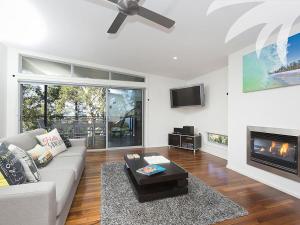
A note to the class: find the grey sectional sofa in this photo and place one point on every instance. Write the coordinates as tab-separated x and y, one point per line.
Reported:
47	202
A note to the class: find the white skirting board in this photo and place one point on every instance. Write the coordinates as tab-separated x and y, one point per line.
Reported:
216	150
253	176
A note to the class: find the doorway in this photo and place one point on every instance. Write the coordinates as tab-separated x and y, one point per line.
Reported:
125	117
106	117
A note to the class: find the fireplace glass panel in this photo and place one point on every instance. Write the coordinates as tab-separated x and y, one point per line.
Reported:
276	149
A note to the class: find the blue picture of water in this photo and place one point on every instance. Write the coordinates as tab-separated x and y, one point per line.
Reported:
268	71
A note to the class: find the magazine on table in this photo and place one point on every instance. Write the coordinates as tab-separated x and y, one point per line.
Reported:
157	159
151	170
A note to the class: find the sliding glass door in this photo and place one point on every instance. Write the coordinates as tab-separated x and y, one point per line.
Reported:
125	117
107	118
76	111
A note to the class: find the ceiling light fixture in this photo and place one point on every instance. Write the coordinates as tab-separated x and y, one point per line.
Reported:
21	23
175	57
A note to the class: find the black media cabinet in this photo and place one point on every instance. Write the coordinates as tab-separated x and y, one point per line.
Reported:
189	142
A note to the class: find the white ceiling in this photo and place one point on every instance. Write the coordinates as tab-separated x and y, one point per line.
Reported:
77	29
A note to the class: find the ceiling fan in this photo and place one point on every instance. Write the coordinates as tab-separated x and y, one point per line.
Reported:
130	8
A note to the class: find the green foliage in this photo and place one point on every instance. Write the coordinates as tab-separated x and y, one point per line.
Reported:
69	95
94	101
61	101
53	95
33	106
290	67
218	138
81	101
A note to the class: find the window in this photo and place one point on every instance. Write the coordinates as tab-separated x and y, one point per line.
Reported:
123	77
217	138
76	111
90	73
107	118
44	67
31	65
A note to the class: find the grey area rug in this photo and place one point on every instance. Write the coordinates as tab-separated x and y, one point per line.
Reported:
201	206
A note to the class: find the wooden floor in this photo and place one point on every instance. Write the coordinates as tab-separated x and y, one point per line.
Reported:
266	205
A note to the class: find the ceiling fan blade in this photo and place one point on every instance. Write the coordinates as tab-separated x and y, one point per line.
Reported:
155	17
117	23
114	1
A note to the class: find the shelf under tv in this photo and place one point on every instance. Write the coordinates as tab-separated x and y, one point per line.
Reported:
182	141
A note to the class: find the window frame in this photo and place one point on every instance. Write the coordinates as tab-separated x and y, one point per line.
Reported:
72	65
217	143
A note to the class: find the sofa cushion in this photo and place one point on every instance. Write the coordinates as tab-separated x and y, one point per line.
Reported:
41	155
37	132
24	141
54	141
74	151
74	163
31	170
65	139
10	167
3	181
64	181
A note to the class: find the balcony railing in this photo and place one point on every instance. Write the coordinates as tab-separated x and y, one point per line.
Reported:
91	128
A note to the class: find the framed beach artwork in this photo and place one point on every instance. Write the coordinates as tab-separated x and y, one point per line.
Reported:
268	72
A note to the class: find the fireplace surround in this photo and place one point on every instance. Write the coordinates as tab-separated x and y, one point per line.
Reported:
274	150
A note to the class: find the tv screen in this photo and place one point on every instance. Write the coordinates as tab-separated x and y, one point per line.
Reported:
189	96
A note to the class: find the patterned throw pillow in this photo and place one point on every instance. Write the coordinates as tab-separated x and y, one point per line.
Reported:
11	168
31	171
41	155
53	141
3	182
65	140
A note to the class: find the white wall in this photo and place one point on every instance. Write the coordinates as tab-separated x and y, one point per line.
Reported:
159	118
213	117
2	90
277	108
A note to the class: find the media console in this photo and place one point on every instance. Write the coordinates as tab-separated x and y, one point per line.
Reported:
189	142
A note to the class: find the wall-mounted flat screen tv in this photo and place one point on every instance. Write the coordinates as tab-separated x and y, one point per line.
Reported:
188	96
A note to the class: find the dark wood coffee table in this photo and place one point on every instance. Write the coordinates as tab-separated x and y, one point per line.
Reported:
172	182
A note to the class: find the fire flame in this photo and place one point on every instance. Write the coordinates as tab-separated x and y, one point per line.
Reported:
272	146
284	149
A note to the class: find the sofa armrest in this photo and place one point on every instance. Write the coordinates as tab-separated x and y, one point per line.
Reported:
33	204
78	142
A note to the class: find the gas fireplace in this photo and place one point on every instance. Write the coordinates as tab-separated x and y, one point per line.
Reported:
275	150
